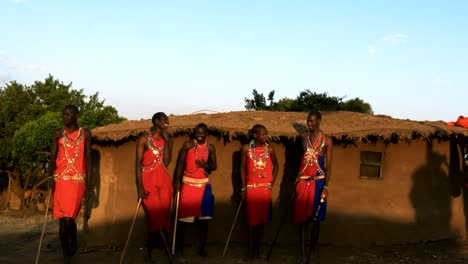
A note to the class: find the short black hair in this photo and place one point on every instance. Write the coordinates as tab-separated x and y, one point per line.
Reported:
199	126
73	108
315	113
257	127
202	126
158	116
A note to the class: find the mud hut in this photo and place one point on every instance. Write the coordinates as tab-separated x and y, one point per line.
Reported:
394	181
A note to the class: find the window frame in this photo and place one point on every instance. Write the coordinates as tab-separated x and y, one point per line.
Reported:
372	163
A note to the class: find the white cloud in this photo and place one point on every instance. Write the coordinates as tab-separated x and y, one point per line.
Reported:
17	1
371	50
23	66
4	77
396	39
2	53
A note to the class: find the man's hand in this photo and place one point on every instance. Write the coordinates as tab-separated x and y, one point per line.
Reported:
142	193
242	193
324	195
201	164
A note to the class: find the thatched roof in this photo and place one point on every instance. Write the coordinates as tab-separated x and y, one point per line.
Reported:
342	126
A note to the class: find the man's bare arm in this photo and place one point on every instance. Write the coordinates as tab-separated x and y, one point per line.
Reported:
212	163
242	166
274	162
328	165
140	148
181	164
89	161
53	152
167	149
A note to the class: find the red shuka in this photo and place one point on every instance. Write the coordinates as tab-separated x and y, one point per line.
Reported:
157	182
191	195
306	191
69	174
258	199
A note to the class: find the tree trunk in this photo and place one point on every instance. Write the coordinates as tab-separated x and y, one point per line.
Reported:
16	199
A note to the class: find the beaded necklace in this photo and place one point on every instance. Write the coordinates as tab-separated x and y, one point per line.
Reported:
72	143
312	151
157	151
204	154
259	163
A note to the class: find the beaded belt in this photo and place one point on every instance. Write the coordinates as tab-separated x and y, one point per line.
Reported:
151	167
76	177
314	178
194	181
255	185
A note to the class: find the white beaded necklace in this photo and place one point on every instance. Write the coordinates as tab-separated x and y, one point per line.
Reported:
258	162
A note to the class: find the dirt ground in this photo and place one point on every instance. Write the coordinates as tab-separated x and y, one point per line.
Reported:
20	234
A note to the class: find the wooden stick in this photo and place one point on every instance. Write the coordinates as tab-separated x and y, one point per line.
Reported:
232	227
175	223
283	221
131	229
43	227
318	209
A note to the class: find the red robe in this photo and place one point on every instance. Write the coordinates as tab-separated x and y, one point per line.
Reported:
157	182
70	174
191	194
308	192
258	199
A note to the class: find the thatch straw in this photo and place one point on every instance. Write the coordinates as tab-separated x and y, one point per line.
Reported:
340	125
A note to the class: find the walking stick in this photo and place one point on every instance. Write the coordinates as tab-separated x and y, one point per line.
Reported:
131	229
318	209
175	222
43	227
283	221
232	227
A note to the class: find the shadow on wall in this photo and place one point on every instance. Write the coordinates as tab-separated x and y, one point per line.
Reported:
463	145
94	193
432	192
282	207
430	195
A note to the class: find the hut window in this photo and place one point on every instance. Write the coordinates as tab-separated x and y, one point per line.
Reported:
371	164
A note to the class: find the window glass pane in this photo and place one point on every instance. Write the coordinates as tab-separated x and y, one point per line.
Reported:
371	156
371	163
370	171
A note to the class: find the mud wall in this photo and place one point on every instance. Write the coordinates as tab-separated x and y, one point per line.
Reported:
416	200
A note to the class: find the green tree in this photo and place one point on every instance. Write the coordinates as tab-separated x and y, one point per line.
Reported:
307	101
29	114
21	103
14	99
34	136
285	104
258	102
356	105
312	101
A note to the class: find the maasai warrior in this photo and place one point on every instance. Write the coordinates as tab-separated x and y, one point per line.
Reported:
154	185
259	168
312	183
69	176
196	161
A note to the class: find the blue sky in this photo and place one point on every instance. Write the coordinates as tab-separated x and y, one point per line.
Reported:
408	58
